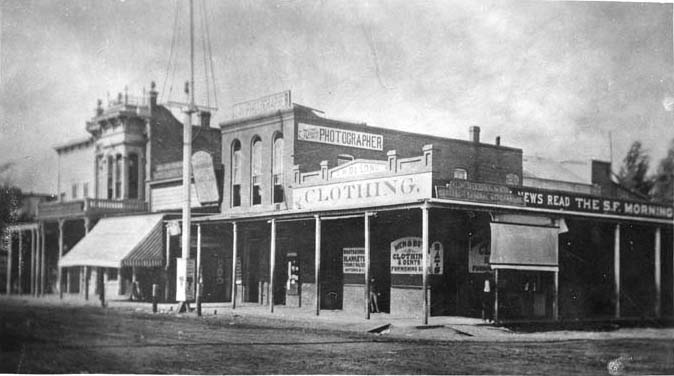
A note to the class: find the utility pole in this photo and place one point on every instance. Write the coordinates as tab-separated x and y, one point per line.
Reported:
187	165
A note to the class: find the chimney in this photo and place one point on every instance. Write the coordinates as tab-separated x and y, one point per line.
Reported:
205	119
474	133
99	107
153	96
498	140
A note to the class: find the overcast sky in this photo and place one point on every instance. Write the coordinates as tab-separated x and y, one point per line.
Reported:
552	78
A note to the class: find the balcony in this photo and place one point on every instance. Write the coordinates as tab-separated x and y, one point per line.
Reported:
89	207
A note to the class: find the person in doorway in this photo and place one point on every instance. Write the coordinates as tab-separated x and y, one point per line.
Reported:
101	286
374	297
487	301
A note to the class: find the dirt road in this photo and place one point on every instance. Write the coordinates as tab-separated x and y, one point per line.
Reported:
57	339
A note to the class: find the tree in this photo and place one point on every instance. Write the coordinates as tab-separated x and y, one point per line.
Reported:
633	171
10	199
663	187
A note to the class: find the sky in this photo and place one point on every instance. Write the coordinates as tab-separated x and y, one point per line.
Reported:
557	79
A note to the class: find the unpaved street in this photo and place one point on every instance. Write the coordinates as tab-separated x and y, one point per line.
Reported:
56	339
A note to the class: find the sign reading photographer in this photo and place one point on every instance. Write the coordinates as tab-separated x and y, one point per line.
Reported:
371	192
341	137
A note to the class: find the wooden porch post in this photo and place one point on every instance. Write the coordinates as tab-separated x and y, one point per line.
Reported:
43	259
496	288
197	272
32	262
9	261
658	273
367	265
616	269
317	262
424	260
555	299
20	265
59	277
234	257
272	264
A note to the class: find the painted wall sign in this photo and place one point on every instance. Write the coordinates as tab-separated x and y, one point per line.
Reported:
370	192
478	256
406	256
341	137
359	167
353	260
204	178
184	280
480	192
565	201
269	103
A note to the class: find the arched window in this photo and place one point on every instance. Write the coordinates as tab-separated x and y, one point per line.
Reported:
236	173
118	176
277	169
256	170
133	176
460	173
110	182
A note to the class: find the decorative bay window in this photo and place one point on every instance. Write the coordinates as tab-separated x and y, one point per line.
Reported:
236	173
256	170
277	169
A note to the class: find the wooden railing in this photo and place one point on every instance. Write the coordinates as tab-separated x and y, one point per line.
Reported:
89	206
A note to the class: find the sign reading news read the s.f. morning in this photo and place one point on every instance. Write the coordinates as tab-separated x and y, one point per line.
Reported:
341	137
370	192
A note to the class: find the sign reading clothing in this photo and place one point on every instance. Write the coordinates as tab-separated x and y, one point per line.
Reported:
341	137
389	190
406	256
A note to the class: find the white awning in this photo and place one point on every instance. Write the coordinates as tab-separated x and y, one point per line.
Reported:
120	241
524	247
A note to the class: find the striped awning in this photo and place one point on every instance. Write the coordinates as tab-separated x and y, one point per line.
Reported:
120	241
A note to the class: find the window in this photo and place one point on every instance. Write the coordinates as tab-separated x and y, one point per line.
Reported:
256	170
74	192
112	274
460	173
118	176
133	176
236	173
85	190
344	158
277	169
110	186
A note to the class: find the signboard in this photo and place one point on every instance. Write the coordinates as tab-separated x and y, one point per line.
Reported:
340	137
274	102
293	281
479	192
436	258
184	280
174	228
565	201
239	278
353	260
370	192
406	256
478	257
358	167
204	178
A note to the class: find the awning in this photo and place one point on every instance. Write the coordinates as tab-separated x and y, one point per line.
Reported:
120	241
524	247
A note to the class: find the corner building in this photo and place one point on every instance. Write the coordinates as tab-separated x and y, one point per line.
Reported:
318	213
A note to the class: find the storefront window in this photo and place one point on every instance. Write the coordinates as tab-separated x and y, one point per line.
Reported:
277	169
236	173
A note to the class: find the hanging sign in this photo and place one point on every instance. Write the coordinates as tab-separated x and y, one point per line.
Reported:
204	178
353	260
173	228
185	280
436	258
340	137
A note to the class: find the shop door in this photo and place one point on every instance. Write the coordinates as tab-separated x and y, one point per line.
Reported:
252	271
331	280
217	279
